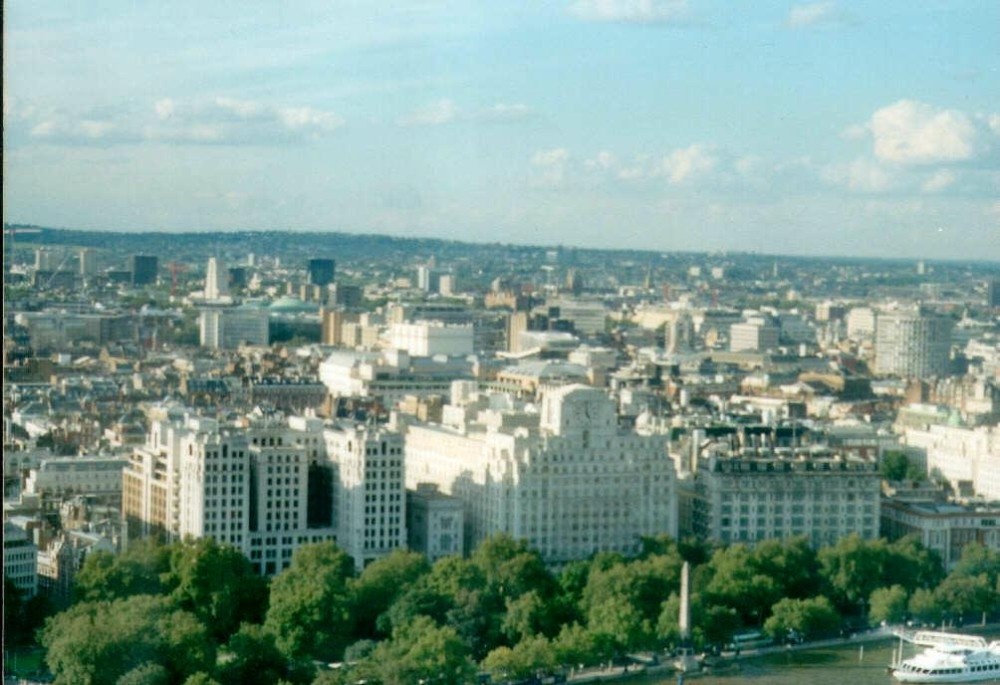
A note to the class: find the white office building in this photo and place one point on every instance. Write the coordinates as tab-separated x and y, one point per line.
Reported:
562	476
435	522
946	528
241	484
861	323
229	327
823	496
755	335
912	343
370	499
429	338
968	458
62	476
20	559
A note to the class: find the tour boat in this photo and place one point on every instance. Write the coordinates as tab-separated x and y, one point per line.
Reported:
950	658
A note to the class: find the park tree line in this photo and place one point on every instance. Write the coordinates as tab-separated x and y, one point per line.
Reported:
194	613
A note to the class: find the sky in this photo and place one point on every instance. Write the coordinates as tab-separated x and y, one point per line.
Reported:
818	128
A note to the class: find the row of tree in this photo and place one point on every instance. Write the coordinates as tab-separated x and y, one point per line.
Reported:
194	613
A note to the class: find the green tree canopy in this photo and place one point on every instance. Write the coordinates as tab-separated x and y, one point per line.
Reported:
913	566
380	585
93	643
146	674
422	651
216	583
252	658
736	582
309	603
139	570
853	569
888	604
814	617
622	601
530	657
792	564
897	466
712	624
925	606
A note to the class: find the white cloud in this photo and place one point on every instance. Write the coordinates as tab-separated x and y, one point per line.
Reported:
219	121
164	108
446	111
306	118
685	164
503	111
631	11
547	158
604	160
818	14
939	180
432	114
58	128
553	164
862	175
910	132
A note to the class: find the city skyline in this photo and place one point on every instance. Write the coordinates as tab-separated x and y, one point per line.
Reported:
792	128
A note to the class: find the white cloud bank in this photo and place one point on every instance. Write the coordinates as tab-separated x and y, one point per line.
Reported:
631	11
446	111
222	121
818	14
911	132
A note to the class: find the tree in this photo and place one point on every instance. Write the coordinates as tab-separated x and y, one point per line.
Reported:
201	678
22	617
712	624
95	643
622	602
146	674
578	645
137	571
420	652
532	656
251	657
924	606
967	596
791	563
813	617
735	582
309	603
894	466
978	560
853	569
531	614
912	565
380	585
973	586
888	605
217	584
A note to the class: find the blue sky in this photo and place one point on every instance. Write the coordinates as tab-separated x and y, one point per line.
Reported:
847	128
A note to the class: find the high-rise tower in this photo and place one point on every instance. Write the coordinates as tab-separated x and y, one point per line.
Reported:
912	343
216	280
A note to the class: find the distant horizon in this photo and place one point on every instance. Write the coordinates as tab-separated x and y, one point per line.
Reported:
535	246
807	127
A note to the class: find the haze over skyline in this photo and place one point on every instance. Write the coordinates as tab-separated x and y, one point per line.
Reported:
868	129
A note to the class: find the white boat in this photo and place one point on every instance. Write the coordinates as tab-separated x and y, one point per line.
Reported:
949	658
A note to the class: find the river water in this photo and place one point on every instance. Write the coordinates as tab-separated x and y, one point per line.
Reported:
845	665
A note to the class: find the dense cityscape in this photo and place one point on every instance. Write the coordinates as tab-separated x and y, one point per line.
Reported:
334	458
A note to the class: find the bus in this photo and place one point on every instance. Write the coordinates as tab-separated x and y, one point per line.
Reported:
748	639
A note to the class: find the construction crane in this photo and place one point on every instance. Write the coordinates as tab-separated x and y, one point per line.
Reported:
175	268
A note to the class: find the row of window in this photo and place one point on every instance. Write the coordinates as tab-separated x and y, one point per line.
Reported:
381	509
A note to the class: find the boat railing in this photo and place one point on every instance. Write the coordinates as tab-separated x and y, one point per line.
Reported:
931	638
